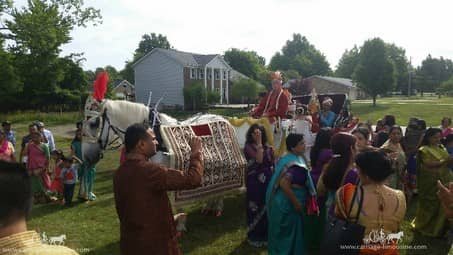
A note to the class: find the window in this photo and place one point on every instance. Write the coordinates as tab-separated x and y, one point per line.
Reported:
209	74
200	74
193	73
217	74
225	75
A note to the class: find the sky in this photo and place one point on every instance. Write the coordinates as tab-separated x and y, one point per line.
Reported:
212	27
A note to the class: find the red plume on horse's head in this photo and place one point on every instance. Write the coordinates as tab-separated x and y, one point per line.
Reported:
100	85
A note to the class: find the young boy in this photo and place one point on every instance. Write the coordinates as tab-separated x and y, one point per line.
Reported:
69	177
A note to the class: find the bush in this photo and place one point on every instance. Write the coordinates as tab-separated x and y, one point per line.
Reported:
195	96
245	91
213	97
446	88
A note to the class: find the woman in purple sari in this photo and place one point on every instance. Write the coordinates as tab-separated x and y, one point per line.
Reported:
260	158
339	171
320	153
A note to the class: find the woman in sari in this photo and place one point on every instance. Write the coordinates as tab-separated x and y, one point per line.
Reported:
320	155
37	165
76	149
85	172
339	171
395	151
260	158
289	192
383	208
6	148
432	165
362	138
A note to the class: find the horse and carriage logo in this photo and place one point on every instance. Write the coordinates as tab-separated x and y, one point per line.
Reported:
380	237
53	240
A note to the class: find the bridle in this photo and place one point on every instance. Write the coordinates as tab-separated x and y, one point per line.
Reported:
116	130
107	126
154	120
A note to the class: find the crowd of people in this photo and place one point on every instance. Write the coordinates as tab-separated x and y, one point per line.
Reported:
353	173
53	175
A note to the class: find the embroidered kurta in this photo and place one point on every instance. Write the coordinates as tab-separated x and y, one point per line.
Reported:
144	211
274	104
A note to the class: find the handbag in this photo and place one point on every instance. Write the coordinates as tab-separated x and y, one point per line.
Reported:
344	236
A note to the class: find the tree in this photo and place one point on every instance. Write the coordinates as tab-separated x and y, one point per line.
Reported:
146	45
374	73
397	56
37	33
446	88
298	54
74	78
245	90
432	73
10	83
248	63
291	74
195	96
149	42
348	62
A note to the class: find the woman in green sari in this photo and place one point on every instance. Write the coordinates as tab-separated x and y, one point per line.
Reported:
86	173
289	196
432	165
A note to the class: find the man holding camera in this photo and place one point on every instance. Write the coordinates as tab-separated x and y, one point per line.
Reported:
140	187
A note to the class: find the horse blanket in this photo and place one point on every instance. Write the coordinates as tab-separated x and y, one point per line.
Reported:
224	163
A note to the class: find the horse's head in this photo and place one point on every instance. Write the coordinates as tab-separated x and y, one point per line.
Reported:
105	124
93	131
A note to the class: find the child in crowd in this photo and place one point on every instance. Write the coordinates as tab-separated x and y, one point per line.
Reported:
57	185
69	177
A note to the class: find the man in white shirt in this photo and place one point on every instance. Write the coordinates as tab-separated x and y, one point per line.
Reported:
48	136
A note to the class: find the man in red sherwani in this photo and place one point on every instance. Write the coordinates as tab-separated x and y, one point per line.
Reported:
140	187
275	104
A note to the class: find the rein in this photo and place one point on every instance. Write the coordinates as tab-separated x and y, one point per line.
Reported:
115	130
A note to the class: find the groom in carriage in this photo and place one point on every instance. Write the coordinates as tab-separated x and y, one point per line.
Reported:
274	105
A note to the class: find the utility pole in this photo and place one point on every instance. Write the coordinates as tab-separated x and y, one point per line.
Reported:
410	73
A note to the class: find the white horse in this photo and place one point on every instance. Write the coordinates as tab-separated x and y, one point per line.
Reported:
57	240
106	122
392	237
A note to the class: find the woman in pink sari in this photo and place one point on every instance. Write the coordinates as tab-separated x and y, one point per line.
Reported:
37	165
6	149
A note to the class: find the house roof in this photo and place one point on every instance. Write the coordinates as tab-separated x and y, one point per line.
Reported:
184	58
122	82
202	60
342	81
235	75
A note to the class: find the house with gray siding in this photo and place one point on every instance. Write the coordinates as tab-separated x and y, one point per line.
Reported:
165	73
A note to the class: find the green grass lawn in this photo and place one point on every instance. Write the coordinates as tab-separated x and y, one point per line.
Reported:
431	109
93	228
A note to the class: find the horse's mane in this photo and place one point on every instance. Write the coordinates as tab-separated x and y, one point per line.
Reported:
126	113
